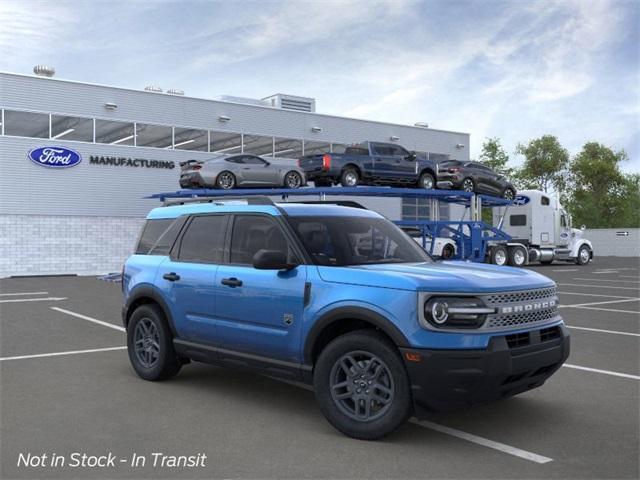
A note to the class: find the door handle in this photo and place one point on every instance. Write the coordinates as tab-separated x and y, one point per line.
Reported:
231	282
172	277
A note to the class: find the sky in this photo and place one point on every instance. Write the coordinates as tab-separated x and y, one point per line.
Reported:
514	70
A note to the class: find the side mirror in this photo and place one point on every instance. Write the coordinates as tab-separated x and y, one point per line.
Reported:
272	260
412	156
583	228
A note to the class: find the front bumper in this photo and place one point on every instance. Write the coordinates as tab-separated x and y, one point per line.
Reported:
512	364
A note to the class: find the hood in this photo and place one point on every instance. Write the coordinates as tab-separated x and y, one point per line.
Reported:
454	276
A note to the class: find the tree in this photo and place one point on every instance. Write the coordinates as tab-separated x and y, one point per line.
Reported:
495	157
545	164
600	195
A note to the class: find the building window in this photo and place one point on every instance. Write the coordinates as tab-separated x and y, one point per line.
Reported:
258	145
287	148
26	124
190	139
114	133
157	136
71	128
225	142
315	148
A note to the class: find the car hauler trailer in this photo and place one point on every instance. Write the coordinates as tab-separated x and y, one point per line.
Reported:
470	239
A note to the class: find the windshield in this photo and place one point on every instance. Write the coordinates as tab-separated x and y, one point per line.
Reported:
344	241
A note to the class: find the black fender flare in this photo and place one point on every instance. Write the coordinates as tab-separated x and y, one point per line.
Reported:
145	291
351	313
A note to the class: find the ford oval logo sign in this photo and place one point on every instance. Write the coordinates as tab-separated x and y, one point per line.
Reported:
55	157
521	200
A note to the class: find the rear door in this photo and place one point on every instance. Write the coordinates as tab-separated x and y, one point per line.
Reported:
259	311
187	277
383	160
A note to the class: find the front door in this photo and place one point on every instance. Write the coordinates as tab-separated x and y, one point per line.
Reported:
257	171
187	278
259	312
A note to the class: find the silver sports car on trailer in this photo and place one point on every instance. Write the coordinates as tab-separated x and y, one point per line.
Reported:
241	170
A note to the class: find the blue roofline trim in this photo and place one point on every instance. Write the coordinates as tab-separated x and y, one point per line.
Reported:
198	208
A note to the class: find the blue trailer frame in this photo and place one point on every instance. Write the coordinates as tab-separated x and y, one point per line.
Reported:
472	237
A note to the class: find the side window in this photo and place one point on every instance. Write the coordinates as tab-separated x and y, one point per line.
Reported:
163	245
399	151
151	232
563	220
252	233
238	159
544	201
518	220
203	241
379	149
251	160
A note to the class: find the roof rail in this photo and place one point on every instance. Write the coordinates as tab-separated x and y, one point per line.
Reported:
218	200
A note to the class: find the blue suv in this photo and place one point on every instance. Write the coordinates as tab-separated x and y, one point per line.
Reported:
340	298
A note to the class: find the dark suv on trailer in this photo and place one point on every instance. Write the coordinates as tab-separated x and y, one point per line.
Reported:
474	177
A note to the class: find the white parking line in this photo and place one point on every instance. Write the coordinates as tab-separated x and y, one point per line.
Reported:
57	354
604	331
605	280
23	293
599	303
628	276
605	272
567	270
598	286
453	432
593	295
516	452
45	299
606	372
89	319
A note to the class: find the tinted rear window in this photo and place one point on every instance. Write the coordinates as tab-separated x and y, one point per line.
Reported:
158	236
203	241
356	151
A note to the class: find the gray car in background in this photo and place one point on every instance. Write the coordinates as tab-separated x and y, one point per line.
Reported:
241	170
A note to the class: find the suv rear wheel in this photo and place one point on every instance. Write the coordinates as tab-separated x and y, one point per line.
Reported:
150	344
349	178
362	386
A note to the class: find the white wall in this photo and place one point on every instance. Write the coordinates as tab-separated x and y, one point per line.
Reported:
49	245
608	242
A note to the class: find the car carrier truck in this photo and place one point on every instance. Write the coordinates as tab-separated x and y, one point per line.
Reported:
540	231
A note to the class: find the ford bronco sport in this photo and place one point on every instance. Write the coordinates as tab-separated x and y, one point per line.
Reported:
339	298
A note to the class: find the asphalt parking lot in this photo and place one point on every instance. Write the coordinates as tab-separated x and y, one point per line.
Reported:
66	386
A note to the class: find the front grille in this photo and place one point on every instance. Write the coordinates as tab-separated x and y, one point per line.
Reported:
522	296
519	319
521	309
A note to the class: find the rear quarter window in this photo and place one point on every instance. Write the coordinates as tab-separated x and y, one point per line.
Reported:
159	235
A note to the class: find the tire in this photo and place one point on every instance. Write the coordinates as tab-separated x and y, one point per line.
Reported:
499	255
468	185
517	256
427	181
448	252
584	255
293	180
508	194
349	178
342	362
149	333
226	180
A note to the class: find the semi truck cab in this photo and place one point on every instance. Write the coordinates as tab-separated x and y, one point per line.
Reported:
538	221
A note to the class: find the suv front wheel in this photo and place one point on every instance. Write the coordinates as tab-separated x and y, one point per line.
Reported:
150	344
362	386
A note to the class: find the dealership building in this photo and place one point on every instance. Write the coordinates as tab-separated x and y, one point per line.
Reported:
84	219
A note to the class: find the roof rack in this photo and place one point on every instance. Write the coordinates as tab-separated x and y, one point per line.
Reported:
218	200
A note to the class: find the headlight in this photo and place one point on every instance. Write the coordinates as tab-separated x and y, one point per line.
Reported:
456	312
